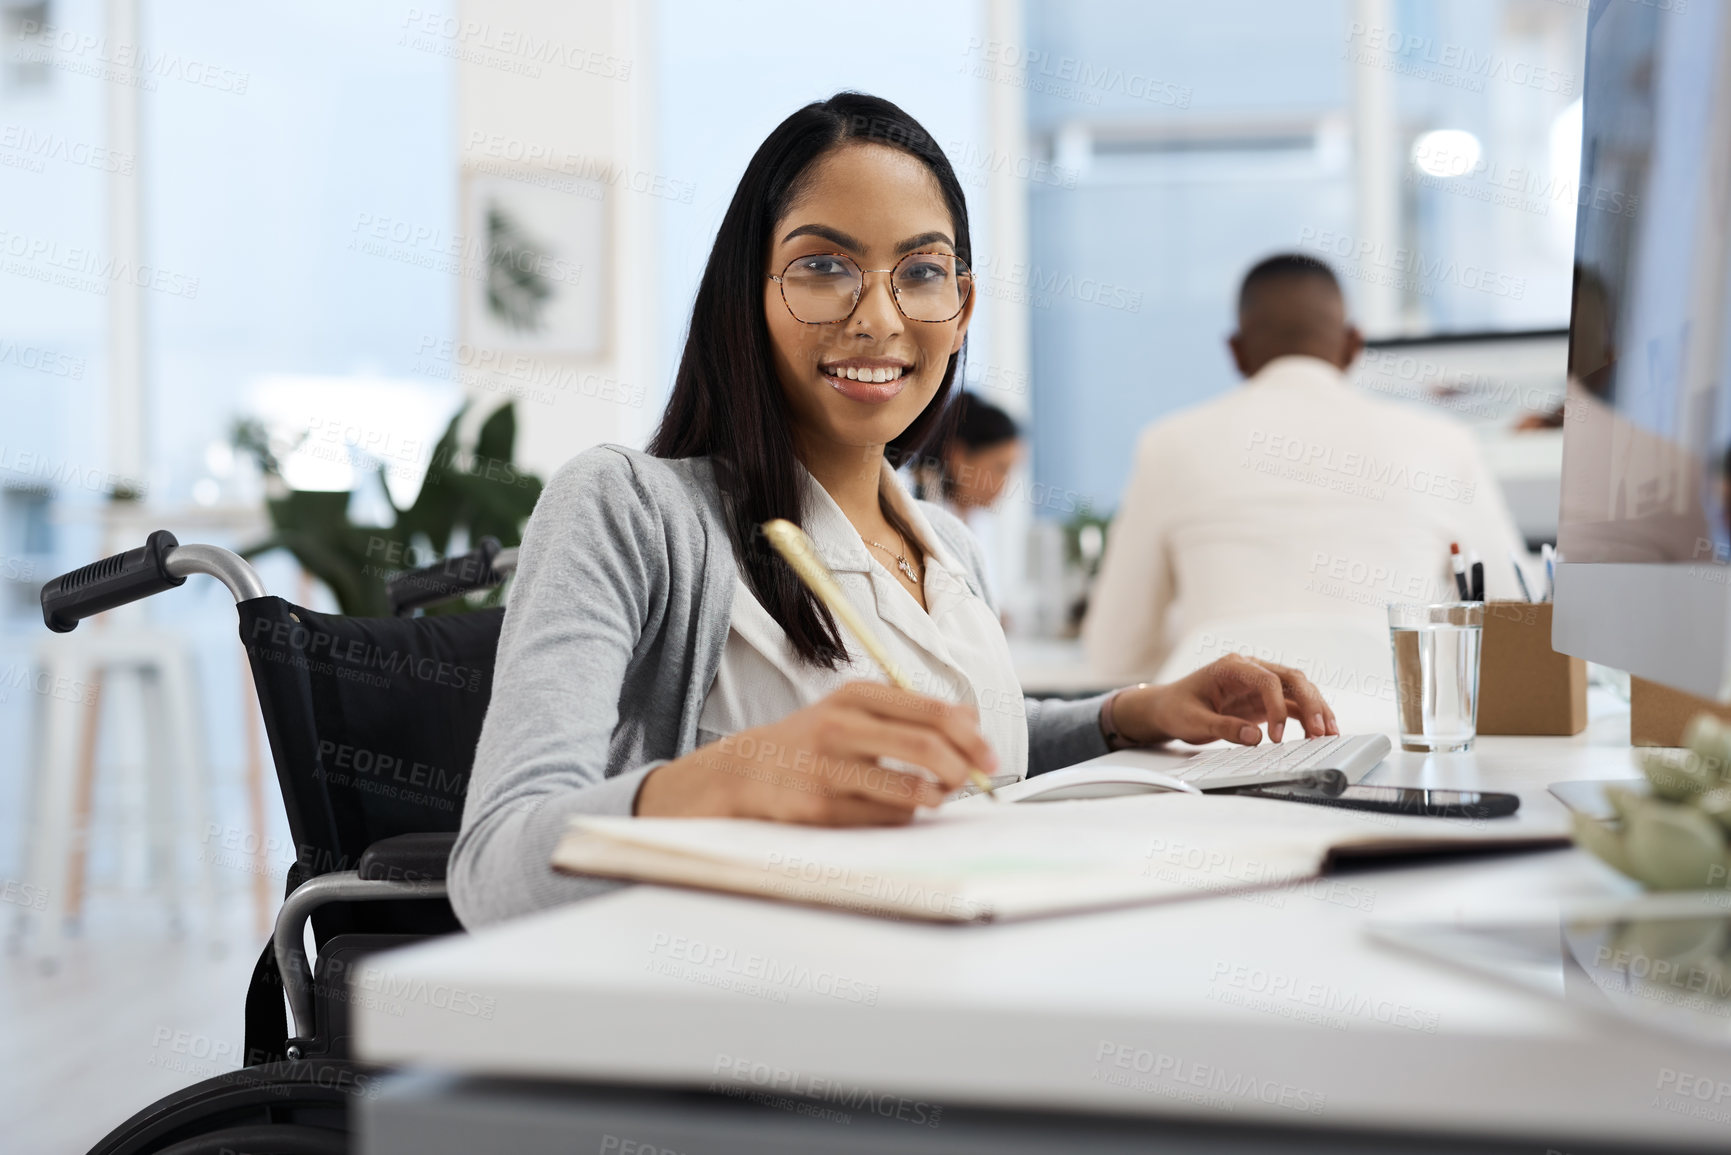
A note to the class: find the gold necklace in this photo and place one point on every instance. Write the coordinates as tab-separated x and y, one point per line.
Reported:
901	558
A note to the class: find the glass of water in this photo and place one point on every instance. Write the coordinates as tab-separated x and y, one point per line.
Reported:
1436	674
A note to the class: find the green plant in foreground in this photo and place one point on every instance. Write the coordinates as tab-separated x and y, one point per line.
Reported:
1679	836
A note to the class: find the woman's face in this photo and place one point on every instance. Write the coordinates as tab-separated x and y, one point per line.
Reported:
875	204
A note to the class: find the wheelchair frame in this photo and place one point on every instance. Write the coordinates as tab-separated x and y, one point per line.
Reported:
162	563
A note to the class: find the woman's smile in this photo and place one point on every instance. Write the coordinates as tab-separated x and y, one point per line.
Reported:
872	380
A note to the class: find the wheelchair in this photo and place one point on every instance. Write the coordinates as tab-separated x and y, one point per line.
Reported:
372	725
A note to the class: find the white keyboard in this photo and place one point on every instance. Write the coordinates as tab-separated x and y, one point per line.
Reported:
1334	763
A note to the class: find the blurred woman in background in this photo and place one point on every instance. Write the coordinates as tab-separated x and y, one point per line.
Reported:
968	473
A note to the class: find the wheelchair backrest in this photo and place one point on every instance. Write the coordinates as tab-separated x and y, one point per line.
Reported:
373	722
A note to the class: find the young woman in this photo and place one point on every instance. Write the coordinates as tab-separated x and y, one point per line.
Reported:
658	659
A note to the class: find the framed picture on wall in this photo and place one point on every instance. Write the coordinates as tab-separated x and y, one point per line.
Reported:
535	264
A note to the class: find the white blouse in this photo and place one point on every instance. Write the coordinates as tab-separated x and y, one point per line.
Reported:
953	650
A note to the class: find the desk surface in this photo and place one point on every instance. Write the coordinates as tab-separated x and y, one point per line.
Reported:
1268	1006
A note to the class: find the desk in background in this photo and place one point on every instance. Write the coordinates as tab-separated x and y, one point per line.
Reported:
1057	668
682	1020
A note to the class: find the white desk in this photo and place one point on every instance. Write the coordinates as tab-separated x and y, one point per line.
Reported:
1150	1013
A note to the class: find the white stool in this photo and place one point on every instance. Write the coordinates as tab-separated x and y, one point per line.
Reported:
70	668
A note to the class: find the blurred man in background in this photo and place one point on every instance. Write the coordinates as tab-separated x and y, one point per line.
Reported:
1294	495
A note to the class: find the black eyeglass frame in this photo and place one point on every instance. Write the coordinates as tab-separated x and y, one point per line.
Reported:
963	273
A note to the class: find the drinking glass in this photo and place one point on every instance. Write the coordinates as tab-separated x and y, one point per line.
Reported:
1436	673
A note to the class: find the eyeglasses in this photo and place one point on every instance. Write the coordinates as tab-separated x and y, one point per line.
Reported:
825	288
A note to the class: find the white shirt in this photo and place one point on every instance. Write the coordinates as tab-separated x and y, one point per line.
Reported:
1294	494
953	650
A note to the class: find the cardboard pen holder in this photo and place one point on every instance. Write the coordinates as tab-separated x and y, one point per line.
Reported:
1525	687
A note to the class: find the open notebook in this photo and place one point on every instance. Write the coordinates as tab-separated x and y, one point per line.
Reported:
980	862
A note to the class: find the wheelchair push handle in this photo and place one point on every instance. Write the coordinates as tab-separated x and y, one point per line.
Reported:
113	581
481	568
161	563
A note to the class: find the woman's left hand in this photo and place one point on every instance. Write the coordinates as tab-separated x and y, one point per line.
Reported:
1226	699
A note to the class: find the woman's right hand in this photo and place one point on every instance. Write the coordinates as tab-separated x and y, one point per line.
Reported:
819	765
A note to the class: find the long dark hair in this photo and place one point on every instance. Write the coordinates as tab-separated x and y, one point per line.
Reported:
727	402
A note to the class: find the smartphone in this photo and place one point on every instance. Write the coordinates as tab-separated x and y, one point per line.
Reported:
1397	799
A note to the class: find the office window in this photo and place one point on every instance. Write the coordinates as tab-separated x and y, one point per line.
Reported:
54	186
323	248
26	545
270	145
24	61
1484	127
1422	149
1200	138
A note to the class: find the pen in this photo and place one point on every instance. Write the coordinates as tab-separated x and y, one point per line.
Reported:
1520	575
1478	572
1550	556
1460	568
797	550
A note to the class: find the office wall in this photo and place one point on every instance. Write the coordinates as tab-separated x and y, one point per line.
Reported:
561	98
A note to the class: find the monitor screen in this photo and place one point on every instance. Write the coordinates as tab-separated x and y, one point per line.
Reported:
1647	429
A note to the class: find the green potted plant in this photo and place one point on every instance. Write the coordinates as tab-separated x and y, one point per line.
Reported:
465	496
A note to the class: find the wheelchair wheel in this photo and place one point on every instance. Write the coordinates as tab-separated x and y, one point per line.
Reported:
286	1108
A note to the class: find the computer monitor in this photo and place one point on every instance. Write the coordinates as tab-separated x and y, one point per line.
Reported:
1645	585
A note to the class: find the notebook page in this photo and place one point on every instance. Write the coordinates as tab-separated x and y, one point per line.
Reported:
987	862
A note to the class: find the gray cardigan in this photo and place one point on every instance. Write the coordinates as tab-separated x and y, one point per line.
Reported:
616	623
